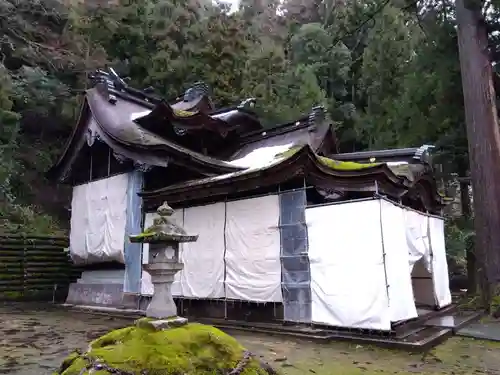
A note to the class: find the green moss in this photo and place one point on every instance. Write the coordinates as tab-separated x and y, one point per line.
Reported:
181	113
495	301
333	164
147	233
345	165
190	349
11	295
70	359
470	302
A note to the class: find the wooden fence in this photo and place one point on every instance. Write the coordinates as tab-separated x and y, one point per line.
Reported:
35	268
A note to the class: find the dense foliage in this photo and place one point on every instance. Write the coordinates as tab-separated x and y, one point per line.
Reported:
387	71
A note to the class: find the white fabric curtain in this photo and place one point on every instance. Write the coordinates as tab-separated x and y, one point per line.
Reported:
401	300
348	282
237	255
361	255
441	281
203	273
420	265
98	220
417	238
253	265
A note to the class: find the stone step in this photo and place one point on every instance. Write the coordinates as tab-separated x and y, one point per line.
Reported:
482	331
454	321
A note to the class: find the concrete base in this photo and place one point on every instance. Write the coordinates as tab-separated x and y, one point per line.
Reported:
163	324
105	295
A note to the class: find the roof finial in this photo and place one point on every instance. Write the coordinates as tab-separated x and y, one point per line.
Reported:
316	115
248	103
198	89
423	153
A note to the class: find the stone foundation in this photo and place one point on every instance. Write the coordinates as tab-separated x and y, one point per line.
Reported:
105	295
112	296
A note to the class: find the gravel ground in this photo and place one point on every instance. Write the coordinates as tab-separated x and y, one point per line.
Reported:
34	339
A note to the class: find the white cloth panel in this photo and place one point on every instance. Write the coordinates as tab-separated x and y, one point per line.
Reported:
439	262
348	283
417	238
147	287
98	219
203	273
253	265
401	301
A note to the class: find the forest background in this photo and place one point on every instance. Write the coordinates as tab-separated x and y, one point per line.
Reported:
387	71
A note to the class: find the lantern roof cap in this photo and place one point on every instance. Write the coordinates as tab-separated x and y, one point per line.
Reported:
164	229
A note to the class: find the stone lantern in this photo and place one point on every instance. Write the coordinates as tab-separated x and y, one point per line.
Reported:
163	237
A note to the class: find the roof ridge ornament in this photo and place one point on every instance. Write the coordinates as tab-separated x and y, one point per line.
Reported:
248	103
106	81
317	114
423	153
196	90
118	82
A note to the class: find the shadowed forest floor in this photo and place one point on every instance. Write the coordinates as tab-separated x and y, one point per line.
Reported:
35	339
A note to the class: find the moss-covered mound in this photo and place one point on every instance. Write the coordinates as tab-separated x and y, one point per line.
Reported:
193	349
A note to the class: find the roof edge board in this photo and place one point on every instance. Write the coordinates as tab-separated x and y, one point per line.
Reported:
421	153
303	156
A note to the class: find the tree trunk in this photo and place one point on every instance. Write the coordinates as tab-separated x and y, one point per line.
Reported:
484	143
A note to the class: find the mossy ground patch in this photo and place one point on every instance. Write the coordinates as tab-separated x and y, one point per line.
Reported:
193	349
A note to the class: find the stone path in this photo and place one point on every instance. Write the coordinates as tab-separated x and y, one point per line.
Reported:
478	330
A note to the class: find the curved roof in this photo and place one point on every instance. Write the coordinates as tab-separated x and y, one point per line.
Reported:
114	123
294	162
313	130
148	130
221	122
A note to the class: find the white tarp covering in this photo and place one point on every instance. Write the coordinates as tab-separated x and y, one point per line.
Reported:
237	255
401	302
203	273
253	265
147	287
348	285
417	238
98	219
363	257
440	274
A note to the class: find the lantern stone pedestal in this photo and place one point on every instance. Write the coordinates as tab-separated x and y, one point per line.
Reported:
163	237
